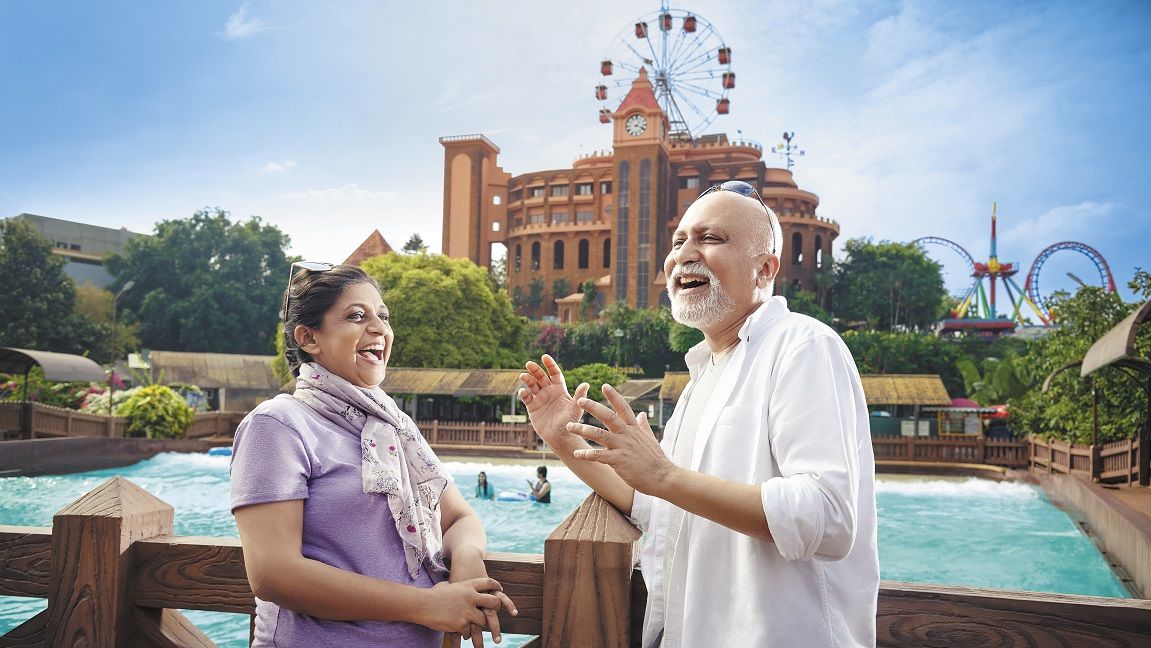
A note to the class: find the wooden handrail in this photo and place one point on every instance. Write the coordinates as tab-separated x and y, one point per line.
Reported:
113	573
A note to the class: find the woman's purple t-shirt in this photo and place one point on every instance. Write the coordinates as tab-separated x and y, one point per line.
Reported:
285	451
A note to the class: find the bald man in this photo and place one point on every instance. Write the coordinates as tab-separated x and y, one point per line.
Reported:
759	506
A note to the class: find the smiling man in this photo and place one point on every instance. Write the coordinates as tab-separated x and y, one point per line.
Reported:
759	506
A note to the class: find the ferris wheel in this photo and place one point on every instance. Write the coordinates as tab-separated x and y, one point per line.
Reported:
687	61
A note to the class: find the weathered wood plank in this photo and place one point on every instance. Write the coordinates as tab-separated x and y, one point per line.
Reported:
167	629
588	565
88	597
192	573
25	561
935	616
33	633
522	576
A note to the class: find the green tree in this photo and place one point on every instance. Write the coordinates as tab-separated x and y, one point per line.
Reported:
890	286
498	273
879	352
682	337
205	283
589	302
561	288
39	298
446	314
1064	411
536	294
415	245
595	375
999	379
95	305
806	302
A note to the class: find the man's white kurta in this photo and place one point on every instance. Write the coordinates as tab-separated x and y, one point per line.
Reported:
788	414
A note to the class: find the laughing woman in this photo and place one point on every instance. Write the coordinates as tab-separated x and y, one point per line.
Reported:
347	518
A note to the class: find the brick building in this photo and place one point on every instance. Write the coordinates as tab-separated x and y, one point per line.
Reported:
609	218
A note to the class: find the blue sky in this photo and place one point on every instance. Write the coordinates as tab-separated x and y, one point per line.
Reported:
323	118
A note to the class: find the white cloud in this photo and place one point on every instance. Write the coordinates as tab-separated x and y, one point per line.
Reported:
277	166
348	192
241	25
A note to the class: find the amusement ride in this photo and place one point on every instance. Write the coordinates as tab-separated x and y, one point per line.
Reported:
687	61
977	312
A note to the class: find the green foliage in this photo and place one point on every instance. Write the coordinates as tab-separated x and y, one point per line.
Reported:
205	283
1064	411
498	273
682	337
156	412
446	314
535	298
39	297
878	352
95	304
561	288
999	380
595	375
415	245
588	303
280	363
804	301
59	394
890	286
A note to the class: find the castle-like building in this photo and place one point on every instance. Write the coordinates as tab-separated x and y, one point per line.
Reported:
609	218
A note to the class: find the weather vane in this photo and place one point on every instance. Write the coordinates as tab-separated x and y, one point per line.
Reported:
787	150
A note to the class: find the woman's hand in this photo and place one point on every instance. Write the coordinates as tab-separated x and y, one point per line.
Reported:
549	405
466	606
466	566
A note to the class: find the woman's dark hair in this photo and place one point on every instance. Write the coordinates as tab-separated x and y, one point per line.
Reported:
309	296
542	471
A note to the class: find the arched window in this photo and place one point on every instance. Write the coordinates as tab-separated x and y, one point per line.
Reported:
558	255
819	251
536	255
607	253
796	249
519	256
584	251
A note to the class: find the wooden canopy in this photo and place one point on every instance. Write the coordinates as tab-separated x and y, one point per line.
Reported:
452	382
904	389
58	367
880	389
1118	345
215	370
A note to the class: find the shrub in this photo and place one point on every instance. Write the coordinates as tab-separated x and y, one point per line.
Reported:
595	375
156	412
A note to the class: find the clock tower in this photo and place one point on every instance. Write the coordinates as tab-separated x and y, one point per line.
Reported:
643	197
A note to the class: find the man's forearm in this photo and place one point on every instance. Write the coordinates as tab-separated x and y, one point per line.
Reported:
602	479
734	505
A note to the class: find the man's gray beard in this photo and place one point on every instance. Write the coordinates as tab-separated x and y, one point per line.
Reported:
702	313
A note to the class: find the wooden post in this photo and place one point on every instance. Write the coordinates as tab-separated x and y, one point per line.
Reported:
89	600
588	565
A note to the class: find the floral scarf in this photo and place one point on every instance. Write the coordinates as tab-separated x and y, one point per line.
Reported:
396	460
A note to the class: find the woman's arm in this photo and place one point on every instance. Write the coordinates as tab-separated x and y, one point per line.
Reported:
464	544
271	535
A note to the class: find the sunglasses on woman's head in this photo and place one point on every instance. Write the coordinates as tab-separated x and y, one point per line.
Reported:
313	266
747	191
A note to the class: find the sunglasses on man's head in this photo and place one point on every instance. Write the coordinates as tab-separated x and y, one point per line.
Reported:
747	191
313	266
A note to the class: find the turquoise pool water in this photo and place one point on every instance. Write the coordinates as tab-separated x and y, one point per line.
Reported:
931	530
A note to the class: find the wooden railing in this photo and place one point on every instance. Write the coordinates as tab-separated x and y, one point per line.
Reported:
978	449
114	575
47	421
1110	463
504	435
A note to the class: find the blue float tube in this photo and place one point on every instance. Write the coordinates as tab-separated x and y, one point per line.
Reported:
221	452
512	496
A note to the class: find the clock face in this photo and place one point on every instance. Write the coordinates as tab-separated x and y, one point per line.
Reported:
635	125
